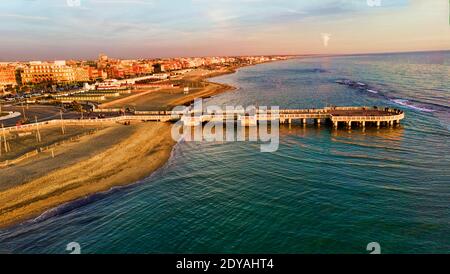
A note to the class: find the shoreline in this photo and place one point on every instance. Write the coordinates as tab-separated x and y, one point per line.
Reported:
101	172
98	168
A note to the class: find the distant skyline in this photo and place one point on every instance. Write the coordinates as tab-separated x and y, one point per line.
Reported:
81	29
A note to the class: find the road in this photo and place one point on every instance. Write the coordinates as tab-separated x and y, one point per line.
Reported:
44	113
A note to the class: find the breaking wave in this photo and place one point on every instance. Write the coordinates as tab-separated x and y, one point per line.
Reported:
409	104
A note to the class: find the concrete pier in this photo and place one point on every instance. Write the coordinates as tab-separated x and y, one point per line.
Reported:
362	116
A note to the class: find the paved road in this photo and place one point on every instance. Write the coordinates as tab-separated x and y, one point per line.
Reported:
44	113
41	112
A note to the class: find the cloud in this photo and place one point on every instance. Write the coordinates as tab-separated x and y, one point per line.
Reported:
193	26
220	16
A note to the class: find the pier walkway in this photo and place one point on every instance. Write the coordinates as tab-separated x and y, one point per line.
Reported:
348	116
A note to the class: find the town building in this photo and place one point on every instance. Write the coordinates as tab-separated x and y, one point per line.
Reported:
95	74
7	76
81	74
47	72
102	58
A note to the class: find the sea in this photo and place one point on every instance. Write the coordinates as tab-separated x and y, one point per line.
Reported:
323	191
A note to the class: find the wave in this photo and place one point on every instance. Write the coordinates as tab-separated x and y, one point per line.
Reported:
407	103
67	207
361	86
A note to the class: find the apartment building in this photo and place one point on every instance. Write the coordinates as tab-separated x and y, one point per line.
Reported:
42	72
7	76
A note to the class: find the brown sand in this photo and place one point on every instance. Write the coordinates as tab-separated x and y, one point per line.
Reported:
19	145
128	154
129	98
209	90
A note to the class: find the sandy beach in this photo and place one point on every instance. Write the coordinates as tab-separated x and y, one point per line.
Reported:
117	155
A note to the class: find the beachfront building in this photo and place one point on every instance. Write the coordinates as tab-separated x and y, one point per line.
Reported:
95	74
111	84
195	62
115	71
158	76
7	76
47	72
81	74
142	68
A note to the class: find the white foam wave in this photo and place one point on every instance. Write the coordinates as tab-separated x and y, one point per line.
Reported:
406	103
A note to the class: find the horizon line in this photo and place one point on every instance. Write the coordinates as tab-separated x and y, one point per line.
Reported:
251	55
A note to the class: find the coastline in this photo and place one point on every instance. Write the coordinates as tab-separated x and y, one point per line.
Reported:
132	154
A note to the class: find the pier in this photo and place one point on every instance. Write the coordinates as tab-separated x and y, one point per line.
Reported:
348	116
337	116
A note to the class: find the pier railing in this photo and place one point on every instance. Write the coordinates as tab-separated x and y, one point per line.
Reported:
386	114
384	118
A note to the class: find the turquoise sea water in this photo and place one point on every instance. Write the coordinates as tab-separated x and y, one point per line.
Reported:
323	191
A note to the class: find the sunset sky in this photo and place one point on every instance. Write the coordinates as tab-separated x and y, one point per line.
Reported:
62	29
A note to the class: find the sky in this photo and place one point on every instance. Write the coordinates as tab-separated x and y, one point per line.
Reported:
81	29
